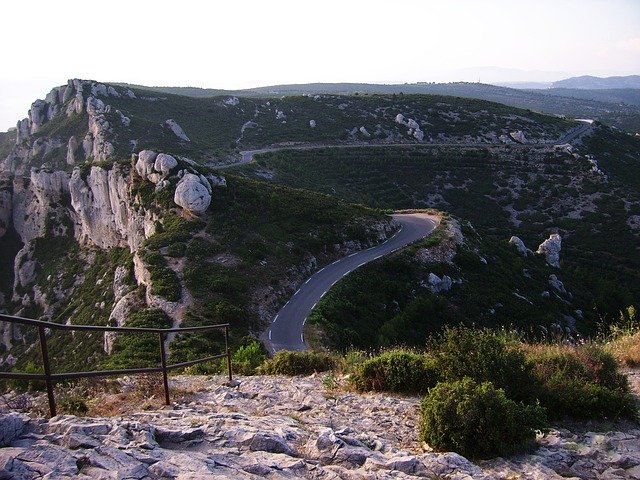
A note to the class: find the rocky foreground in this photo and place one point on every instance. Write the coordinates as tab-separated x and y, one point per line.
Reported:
282	427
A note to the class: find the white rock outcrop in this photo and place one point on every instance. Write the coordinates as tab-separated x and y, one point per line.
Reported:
437	284
518	136
551	248
177	130
164	163
192	193
414	127
145	164
520	246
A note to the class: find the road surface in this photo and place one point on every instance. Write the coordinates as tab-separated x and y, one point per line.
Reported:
286	330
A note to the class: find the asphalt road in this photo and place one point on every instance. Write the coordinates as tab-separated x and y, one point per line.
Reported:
286	329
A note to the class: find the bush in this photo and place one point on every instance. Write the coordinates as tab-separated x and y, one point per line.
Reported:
286	362
477	420
581	382
485	356
396	371
247	358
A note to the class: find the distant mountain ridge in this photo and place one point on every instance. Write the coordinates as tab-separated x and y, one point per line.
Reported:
619	107
590	82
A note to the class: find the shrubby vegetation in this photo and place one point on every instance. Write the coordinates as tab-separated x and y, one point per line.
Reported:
396	371
477	420
133	350
286	362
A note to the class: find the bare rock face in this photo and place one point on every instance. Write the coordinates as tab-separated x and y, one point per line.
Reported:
37	199
550	248
103	210
72	146
11	426
192	194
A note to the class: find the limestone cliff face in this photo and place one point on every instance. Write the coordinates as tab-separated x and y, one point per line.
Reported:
104	211
38	201
94	135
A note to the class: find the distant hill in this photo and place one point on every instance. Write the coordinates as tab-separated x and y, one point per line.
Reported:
619	108
587	81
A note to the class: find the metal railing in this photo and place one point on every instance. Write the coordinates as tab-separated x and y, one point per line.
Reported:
50	377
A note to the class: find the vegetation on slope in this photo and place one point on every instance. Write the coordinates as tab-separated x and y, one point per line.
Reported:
505	192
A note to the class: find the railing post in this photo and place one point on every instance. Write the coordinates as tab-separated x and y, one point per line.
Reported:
226	344
47	370
163	363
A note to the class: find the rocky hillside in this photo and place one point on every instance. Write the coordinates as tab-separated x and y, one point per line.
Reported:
283	427
587	193
111	211
90	236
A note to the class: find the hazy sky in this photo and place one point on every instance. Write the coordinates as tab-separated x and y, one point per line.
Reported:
243	43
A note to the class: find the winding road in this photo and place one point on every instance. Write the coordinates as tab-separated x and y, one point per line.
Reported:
286	330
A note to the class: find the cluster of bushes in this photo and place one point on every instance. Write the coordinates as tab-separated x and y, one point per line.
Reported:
488	393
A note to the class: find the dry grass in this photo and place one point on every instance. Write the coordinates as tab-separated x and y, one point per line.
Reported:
626	349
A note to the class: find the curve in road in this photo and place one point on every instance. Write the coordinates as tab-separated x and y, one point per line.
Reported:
286	330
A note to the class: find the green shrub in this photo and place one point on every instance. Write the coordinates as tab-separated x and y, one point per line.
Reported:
581	382
286	362
247	358
477	420
396	371
485	356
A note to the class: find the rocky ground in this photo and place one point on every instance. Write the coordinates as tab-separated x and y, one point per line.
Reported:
282	427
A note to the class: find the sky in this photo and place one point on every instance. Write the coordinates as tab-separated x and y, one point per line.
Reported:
240	44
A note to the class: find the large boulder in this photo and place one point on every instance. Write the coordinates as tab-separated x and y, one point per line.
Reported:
165	163
146	162
550	248
191	194
177	130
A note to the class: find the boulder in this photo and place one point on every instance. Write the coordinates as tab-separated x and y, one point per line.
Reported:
165	163
518	136
11	426
520	246
146	162
312	123
437	284
550	248
364	131
191	194
172	125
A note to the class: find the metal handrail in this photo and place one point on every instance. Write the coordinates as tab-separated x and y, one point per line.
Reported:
50	377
